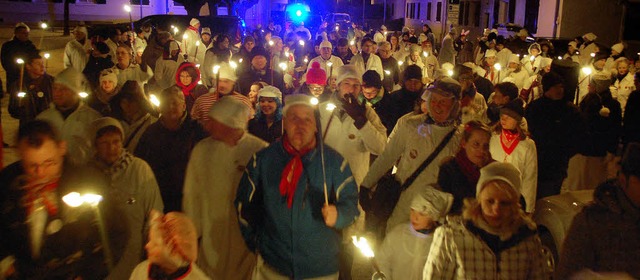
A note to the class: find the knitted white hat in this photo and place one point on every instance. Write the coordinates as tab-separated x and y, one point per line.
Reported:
348	72
432	202
22	24
102	123
72	79
206	30
326	44
490	53
619	47
590	36
108	75
230	112
514	58
501	171
297	99
194	21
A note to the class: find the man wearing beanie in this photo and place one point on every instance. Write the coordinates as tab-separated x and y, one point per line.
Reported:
372	91
288	179
70	115
225	88
558	130
414	139
76	52
132	185
208	200
603	116
259	71
402	102
603	237
205	43
355	131
189	38
367	59
37	86
328	62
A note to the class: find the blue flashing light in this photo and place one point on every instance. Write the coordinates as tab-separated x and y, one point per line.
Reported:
298	12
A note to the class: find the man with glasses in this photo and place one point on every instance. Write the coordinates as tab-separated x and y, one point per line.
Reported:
355	131
41	235
328	62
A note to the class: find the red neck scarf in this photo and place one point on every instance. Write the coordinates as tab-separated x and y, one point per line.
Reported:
469	169
47	193
292	171
509	140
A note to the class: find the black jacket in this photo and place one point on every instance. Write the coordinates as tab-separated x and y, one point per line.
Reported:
604	131
250	76
11	51
396	105
631	128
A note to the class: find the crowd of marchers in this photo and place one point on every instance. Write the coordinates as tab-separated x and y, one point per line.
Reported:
150	157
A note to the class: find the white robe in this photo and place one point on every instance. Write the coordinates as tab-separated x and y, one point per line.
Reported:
404	252
620	90
525	158
134	73
213	174
76	55
373	63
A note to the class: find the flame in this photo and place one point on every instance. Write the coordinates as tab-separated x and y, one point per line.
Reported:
363	245
154	100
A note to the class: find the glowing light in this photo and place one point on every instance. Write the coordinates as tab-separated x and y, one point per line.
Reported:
83	94
127	8
301	42
47	55
233	64
74	199
532	58
185	36
331	106
363	246
352	42
44	25
449	73
337	28
593	54
216	69
199	82
314	101
518	55
587	70
154	100
22	94
197	43
329	63
283	66
400	63
497	66
271	43
387	72
560	57
175	30
286	53
425	54
197	65
306	60
299	13
19	61
240	60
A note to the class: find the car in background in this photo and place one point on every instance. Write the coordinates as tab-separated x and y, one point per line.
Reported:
233	26
554	215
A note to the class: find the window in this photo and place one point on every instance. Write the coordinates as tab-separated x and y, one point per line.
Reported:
137	2
407	11
438	11
429	11
177	4
418	13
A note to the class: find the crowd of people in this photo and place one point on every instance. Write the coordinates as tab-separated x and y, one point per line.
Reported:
148	157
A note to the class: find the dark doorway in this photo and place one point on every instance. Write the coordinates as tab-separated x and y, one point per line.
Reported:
531	16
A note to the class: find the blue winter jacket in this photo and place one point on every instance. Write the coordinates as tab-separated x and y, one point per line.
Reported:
295	241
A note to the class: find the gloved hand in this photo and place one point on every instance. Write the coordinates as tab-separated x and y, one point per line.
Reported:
357	111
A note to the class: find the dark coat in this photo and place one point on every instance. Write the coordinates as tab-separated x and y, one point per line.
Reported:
483	86
604	132
94	66
258	127
37	99
11	51
167	153
396	105
250	76
631	128
390	64
451	179
71	245
604	236
559	132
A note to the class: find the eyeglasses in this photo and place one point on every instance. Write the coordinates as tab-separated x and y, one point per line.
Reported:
316	88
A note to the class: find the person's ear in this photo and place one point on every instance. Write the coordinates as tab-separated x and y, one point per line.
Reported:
62	148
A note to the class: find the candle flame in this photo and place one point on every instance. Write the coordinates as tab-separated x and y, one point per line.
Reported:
83	94
127	8
497	66
586	70
22	94
314	101
216	69
46	55
331	106
154	100
44	25
363	245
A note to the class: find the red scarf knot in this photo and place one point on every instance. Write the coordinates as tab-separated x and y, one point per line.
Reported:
47	193
509	140
468	168
292	171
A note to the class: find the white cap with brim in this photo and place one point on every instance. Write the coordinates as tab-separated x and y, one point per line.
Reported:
326	44
348	72
501	171
101	123
619	47
270	91
432	202
296	100
514	58
490	53
230	112
226	72
194	21
590	36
